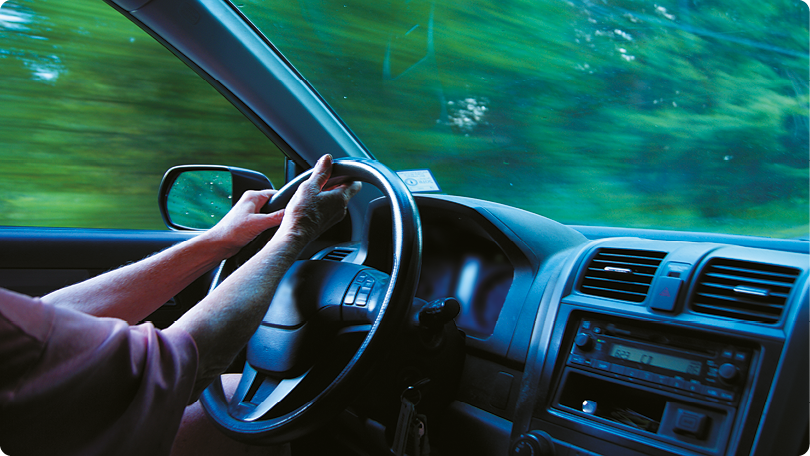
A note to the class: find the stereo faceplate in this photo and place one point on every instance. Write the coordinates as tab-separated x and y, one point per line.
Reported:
694	366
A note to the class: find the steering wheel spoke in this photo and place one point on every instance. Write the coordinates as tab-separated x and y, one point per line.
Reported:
258	393
354	329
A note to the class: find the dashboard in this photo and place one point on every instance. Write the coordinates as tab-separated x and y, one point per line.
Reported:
460	259
587	342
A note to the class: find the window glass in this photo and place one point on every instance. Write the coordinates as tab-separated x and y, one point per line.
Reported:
94	111
677	114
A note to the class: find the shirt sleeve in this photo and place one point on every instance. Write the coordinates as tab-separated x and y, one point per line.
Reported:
71	383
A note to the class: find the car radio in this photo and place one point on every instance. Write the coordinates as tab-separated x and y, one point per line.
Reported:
675	385
695	367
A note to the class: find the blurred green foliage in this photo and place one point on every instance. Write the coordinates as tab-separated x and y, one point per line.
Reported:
684	114
93	111
679	114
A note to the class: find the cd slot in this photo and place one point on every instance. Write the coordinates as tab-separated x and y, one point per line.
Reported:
654	413
656	337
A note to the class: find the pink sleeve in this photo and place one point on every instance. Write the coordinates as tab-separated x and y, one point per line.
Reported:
71	383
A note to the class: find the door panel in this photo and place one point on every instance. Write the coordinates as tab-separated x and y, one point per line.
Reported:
36	261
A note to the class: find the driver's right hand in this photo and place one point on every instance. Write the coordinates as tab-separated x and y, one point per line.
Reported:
313	209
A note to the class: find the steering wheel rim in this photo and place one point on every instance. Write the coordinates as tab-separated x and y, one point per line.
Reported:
399	293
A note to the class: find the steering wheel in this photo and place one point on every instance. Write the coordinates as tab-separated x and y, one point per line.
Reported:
289	387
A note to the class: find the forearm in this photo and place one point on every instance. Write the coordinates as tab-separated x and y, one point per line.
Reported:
223	322
134	291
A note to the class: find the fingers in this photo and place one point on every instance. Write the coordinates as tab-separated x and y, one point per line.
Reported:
245	220
258	198
344	192
321	171
352	190
313	209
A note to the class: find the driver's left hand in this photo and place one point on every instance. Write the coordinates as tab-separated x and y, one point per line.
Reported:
244	221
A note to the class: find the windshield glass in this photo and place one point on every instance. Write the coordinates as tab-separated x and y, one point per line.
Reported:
680	114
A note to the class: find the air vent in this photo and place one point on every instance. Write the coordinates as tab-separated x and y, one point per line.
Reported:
338	254
621	274
744	290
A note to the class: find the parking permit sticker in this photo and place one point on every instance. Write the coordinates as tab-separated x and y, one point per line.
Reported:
419	180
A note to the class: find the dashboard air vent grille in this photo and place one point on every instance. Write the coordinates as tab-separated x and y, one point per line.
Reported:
621	274
338	254
744	290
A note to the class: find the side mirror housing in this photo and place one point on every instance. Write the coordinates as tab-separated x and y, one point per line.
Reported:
196	197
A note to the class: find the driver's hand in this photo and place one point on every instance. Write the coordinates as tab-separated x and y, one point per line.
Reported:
244	221
313	209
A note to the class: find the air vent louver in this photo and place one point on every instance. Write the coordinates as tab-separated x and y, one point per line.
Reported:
621	274
744	290
338	254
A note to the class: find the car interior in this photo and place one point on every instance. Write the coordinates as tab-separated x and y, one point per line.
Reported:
435	323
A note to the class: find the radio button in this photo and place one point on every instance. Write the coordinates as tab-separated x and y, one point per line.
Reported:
718	393
604	365
646	376
576	359
695	387
617	369
630	372
691	423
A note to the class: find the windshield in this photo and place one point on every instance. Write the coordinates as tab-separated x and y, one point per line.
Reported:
681	114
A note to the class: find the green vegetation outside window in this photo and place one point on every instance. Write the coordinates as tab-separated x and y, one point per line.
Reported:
94	111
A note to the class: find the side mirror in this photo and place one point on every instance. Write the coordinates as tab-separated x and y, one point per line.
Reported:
196	197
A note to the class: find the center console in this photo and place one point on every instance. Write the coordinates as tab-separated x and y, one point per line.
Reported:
669	373
631	385
675	386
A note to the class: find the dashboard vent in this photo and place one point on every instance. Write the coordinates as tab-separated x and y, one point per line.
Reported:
621	274
744	290
338	254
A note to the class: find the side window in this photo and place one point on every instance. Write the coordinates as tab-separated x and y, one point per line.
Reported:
93	111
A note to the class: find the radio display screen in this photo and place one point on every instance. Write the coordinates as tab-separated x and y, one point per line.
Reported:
686	366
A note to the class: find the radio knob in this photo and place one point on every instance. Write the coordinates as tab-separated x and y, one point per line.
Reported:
729	373
584	341
533	443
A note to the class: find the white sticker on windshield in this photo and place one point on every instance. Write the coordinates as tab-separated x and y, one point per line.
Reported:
419	180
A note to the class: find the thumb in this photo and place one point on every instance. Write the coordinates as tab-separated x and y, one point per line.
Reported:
272	219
